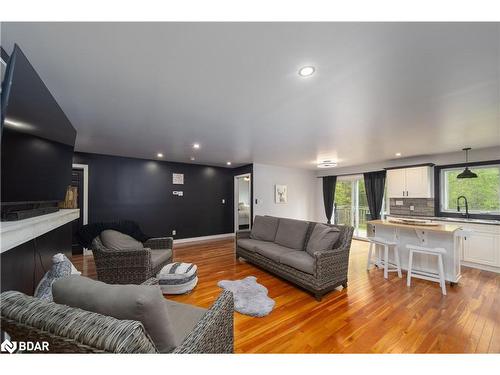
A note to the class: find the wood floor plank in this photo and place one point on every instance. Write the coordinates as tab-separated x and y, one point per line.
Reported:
372	315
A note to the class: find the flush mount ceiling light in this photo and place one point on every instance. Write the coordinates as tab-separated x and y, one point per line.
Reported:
398	154
327	164
228	163
196	146
306	71
160	155
467	173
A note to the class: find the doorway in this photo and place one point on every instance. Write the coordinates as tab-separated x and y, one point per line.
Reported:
243	202
351	206
79	179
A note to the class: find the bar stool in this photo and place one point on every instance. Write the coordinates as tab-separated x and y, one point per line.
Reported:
386	244
439	277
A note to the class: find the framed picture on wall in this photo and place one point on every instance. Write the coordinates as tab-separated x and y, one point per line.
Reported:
280	194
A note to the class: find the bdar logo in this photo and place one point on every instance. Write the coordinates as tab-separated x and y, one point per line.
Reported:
8	346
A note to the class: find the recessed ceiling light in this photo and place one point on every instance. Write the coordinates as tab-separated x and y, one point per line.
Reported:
192	158
306	71
228	163
398	154
160	155
196	146
327	164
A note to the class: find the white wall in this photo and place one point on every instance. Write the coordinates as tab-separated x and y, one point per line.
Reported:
302	192
483	154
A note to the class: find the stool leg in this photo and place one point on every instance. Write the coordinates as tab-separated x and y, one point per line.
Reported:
398	264
441	274
369	263
386	261
410	261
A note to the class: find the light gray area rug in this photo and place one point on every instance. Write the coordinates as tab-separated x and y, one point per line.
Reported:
250	297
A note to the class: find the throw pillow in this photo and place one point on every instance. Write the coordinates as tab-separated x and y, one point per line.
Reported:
144	303
115	240
61	267
323	237
292	233
264	228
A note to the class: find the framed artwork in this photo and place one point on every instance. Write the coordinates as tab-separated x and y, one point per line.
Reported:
280	194
178	178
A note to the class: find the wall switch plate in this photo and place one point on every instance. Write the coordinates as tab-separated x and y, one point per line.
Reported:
412	208
399	203
174	232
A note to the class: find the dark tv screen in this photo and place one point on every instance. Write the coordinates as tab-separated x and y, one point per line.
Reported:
37	139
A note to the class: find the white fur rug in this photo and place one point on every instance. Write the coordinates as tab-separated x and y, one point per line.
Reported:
250	297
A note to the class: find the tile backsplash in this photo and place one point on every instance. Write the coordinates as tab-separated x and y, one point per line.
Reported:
421	206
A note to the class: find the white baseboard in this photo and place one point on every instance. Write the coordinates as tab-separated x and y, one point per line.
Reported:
204	238
482	267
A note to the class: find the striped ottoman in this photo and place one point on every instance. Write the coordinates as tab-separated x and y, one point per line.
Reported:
178	278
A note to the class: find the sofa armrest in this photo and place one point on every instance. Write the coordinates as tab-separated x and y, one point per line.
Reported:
332	264
244	233
214	333
160	243
68	329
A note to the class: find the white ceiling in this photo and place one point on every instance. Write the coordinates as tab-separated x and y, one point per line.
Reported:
135	89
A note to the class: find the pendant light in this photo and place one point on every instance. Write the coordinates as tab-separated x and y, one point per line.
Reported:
467	173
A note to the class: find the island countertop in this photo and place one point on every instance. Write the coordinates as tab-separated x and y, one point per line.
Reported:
449	228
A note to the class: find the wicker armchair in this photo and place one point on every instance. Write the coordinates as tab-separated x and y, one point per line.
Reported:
131	266
72	330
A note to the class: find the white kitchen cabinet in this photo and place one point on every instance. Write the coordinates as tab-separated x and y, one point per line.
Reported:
482	248
396	183
413	182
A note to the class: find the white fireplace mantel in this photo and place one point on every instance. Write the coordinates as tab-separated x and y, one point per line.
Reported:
15	233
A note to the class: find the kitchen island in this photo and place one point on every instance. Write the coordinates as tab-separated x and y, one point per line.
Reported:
446	236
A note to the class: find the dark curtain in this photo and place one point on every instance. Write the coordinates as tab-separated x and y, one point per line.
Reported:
374	186
329	195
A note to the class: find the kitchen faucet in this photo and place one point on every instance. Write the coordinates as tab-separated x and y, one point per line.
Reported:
466	205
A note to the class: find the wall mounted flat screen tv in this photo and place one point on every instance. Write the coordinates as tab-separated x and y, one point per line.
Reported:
37	139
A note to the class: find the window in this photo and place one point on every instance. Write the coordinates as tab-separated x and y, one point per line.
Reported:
351	205
482	193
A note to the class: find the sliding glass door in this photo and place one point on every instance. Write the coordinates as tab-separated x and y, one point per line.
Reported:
351	207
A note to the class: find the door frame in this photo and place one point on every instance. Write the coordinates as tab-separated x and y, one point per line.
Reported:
85	169
235	203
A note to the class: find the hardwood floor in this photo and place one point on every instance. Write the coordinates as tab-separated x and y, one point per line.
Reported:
372	315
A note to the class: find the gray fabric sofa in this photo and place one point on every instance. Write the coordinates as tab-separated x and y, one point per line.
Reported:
92	317
312	255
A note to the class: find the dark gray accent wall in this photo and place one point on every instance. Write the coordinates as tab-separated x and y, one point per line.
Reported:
23	267
141	190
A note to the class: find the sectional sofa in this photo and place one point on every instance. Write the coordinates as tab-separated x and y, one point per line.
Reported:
314	256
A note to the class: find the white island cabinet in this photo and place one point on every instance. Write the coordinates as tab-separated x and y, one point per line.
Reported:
442	235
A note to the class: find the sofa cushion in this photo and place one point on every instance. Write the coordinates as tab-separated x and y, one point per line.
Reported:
250	244
115	240
160	256
185	318
323	237
271	250
300	260
264	228
292	233
144	303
